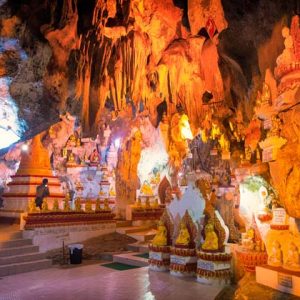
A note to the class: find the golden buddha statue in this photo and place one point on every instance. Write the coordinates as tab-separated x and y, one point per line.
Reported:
155	204
78	204
55	206
292	261
276	256
67	203
32	206
88	206
78	142
211	238
64	152
112	192
71	159
160	238
138	203
97	207
183	236
106	205
146	189
72	140
147	203
45	207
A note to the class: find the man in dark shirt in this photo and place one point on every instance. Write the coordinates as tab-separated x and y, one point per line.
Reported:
41	192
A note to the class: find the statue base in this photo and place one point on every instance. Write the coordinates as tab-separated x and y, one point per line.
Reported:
183	262
251	259
159	258
279	279
213	268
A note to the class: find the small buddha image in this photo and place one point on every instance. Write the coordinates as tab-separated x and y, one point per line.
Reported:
160	238
64	152
211	238
71	159
146	189
106	205
292	258
276	256
72	140
183	238
95	157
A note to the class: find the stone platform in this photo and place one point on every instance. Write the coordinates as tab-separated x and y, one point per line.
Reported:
48	238
279	279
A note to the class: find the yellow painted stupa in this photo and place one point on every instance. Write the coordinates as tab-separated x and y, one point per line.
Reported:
34	167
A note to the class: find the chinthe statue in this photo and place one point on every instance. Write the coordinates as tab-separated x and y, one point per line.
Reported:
160	238
211	238
183	238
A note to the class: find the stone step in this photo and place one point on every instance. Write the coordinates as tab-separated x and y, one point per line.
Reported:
139	247
11	269
6	236
131	259
123	223
18	250
15	243
131	229
143	236
21	258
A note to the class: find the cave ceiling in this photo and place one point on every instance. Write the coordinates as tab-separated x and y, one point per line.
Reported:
94	57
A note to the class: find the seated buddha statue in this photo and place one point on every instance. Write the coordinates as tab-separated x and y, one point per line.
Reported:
95	157
211	238
71	159
275	258
146	189
160	238
184	237
292	261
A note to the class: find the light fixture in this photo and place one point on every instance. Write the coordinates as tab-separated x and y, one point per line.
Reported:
24	147
117	143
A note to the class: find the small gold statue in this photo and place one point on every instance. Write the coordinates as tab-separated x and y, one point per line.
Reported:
160	238
106	205
32	206
67	203
55	206
71	158
211	238
88	206
183	236
78	142
275	259
138	203
155	204
292	261
98	207
45	207
78	204
147	203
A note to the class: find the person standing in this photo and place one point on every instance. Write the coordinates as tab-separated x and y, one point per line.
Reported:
42	191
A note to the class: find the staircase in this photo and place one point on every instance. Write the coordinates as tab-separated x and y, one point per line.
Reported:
18	255
144	235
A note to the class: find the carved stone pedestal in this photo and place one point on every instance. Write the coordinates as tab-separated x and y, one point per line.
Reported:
183	262
213	268
159	258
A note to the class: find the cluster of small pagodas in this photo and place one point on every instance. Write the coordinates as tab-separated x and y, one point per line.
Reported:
88	208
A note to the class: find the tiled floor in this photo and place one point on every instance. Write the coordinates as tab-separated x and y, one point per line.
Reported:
90	282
